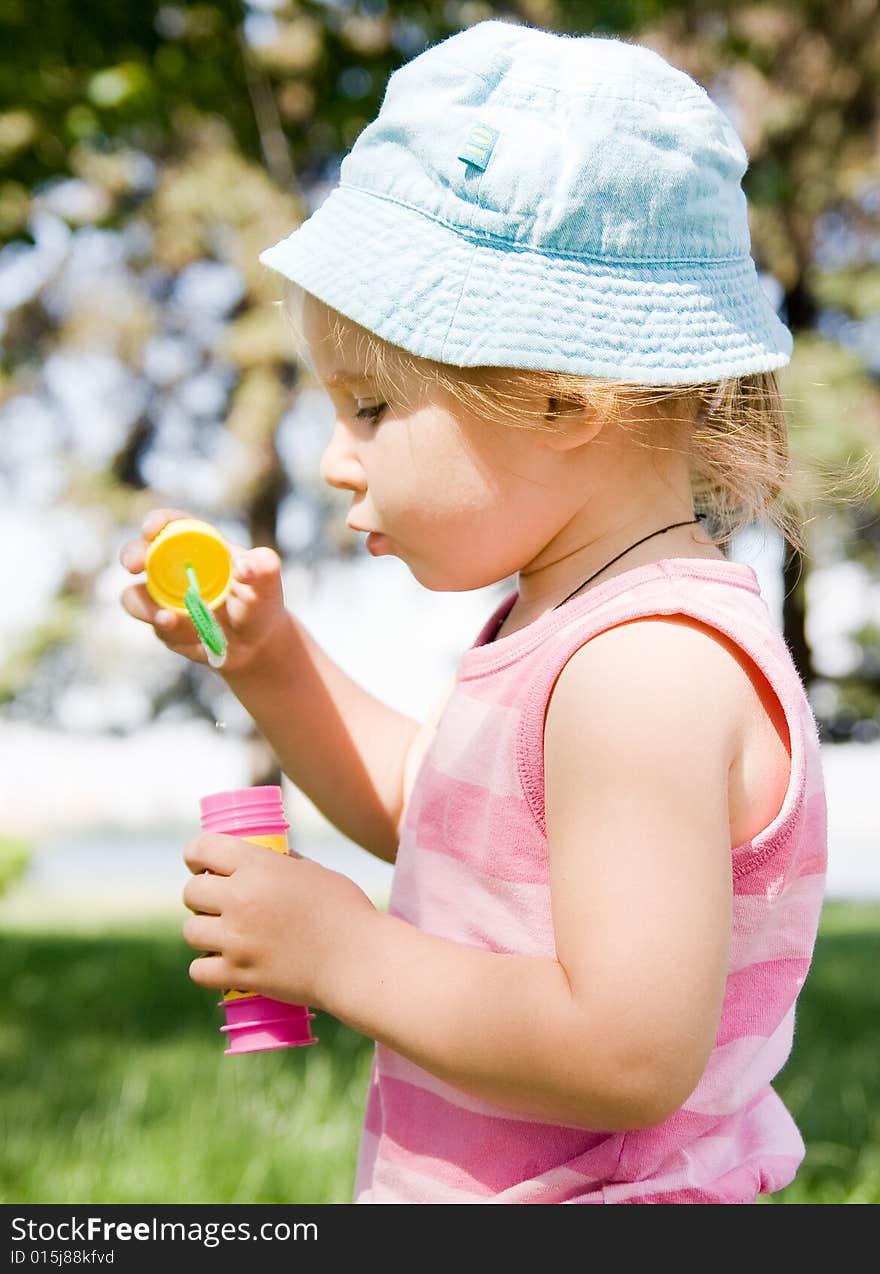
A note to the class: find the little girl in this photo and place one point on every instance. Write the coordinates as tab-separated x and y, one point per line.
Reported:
532	300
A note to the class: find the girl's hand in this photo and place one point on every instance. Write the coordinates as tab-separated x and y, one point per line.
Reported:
273	923
251	615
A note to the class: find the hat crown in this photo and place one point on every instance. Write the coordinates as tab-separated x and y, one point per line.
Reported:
580	145
534	200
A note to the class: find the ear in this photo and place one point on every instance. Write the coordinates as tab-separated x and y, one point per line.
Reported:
576	425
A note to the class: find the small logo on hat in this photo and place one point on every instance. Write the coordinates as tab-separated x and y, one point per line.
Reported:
477	150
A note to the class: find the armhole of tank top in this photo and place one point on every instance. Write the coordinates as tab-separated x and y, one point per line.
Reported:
530	730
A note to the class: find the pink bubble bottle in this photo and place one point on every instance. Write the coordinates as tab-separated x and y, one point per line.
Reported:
253	1021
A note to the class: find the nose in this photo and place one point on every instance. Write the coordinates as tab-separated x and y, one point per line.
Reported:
340	465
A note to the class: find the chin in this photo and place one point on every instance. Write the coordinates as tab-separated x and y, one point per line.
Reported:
437	580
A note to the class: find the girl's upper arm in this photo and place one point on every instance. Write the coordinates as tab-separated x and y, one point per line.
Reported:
640	734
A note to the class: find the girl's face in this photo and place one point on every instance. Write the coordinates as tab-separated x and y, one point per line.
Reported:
462	502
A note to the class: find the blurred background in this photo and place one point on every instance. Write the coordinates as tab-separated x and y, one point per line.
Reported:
147	154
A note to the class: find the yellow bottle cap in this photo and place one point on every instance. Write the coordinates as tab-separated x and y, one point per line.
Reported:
182	543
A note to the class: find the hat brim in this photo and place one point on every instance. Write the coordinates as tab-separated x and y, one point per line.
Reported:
474	300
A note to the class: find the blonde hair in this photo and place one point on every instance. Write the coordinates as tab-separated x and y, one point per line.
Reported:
734	432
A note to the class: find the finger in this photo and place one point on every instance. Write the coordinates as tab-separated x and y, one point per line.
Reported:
138	602
203	933
203	894
212	971
176	631
216	852
258	567
132	555
256	580
156	519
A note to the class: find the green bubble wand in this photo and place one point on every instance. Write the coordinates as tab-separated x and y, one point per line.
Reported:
211	635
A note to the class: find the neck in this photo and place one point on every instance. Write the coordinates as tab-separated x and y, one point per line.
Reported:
651	535
548	583
612	492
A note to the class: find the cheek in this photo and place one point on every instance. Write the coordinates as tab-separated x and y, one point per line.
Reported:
448	481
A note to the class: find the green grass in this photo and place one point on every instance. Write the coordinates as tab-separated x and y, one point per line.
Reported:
116	1090
831	1083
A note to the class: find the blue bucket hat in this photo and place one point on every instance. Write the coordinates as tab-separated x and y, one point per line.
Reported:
535	200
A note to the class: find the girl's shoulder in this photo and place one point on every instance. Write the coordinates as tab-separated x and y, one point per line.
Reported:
707	685
672	659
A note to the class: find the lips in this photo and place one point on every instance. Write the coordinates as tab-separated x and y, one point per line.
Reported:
376	544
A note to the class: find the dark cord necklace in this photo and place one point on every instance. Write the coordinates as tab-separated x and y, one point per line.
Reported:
672	527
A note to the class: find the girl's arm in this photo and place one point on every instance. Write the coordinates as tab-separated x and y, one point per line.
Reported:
615	1032
345	749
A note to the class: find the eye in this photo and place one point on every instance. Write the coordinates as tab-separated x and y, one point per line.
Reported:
371	413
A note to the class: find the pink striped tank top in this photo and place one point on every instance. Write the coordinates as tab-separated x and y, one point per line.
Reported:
473	866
